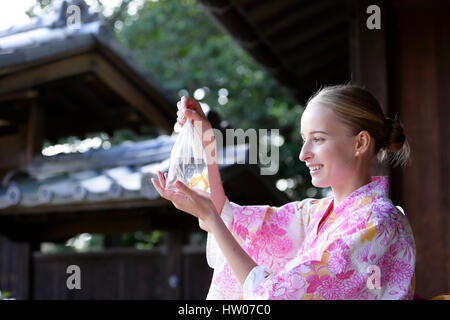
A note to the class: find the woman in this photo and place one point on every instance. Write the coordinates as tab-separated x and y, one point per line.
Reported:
351	245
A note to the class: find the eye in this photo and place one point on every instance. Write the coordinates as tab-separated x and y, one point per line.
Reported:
318	139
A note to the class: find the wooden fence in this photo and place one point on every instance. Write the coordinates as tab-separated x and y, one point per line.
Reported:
118	273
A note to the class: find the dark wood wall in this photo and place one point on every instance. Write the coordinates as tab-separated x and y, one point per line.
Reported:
406	65
168	272
369	59
421	93
123	274
15	267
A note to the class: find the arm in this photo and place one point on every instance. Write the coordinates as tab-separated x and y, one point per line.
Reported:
189	108
217	192
271	236
200	205
240	262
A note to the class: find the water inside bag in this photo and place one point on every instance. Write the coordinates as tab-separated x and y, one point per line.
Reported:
191	171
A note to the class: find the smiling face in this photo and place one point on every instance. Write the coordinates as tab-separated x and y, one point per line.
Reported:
329	146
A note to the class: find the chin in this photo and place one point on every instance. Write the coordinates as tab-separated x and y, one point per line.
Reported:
318	183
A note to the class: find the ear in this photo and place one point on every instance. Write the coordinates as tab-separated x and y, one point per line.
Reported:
362	142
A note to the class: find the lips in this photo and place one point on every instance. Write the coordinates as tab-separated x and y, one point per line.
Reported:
315	168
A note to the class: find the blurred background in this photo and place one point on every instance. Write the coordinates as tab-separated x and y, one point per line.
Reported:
88	93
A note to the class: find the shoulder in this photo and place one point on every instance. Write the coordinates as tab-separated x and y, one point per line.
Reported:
382	209
384	214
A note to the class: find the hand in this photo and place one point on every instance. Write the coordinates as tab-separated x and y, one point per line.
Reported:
189	108
194	202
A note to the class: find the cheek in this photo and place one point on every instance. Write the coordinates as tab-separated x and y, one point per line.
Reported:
337	157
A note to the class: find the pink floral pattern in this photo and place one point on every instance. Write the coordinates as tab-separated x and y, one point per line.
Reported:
295	261
339	259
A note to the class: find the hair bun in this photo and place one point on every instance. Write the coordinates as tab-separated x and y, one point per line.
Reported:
395	136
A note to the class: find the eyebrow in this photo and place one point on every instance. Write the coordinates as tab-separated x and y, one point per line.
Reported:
317	131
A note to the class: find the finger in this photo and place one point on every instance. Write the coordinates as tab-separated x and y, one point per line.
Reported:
185	189
161	179
203	193
166	194
189	103
181	119
191	114
158	187
192	104
183	100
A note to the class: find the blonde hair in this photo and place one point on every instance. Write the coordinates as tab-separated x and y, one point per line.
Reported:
360	110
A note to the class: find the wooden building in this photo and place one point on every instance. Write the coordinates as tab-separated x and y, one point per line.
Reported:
405	64
47	77
58	82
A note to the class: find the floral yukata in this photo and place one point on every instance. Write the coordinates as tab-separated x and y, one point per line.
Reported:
364	250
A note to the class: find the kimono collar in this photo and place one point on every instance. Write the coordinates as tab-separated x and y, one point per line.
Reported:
378	187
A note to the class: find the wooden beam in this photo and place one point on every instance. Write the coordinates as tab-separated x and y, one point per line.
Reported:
304	70
35	76
295	39
117	119
35	131
316	49
241	3
19	95
129	93
316	8
51	226
85	206
268	10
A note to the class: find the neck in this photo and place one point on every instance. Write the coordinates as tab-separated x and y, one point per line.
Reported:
342	191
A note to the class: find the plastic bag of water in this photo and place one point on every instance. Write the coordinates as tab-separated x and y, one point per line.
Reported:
188	160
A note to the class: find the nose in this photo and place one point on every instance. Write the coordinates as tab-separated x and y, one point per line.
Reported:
305	153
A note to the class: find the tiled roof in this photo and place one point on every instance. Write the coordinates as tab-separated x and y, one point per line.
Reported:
48	39
22	43
121	172
49	35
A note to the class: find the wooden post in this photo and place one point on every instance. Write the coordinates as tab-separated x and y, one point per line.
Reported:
15	268
174	264
368	57
35	130
421	68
